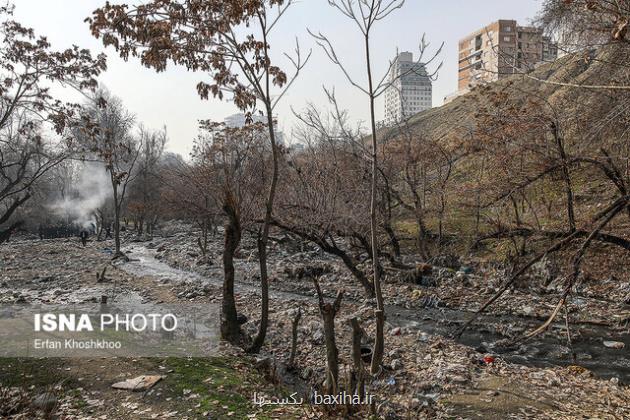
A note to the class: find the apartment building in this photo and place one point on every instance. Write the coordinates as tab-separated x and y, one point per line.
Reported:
410	90
499	50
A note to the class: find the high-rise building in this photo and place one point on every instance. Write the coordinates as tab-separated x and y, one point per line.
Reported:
410	90
501	49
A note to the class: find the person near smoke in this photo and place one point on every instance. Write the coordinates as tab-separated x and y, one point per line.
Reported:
108	232
84	236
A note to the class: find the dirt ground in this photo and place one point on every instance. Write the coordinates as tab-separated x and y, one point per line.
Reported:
424	375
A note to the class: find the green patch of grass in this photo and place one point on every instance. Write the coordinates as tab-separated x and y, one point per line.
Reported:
225	386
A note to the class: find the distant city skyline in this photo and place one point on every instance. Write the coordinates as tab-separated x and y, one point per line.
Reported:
170	98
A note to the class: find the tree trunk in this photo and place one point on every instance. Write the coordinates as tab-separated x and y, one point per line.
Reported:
379	342
566	177
117	206
264	239
423	234
203	240
358	274
332	354
393	239
328	312
441	218
357	362
230	329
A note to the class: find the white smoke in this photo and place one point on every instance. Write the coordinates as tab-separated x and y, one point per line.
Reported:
91	189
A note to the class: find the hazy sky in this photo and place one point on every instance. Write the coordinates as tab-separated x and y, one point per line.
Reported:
170	98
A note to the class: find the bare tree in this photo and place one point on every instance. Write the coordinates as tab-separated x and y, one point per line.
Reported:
189	191
366	14
232	158
144	196
25	157
321	200
107	136
544	150
586	23
417	169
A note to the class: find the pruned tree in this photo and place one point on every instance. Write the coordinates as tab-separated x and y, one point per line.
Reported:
329	311
231	41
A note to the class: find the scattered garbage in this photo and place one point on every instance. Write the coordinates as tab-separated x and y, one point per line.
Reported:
488	360
426	365
617	345
420	275
466	270
139	383
396	364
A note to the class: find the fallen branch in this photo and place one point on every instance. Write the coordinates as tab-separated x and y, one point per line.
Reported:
577	261
527	232
608	213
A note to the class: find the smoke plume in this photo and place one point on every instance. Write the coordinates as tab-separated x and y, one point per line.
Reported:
90	191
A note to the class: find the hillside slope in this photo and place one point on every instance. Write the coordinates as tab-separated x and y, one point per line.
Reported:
533	157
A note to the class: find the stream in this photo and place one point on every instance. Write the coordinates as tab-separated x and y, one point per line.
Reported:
544	351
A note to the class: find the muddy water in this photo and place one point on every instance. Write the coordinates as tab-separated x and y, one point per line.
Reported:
548	350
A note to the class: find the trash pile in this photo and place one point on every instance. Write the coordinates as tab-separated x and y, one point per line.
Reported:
423	375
